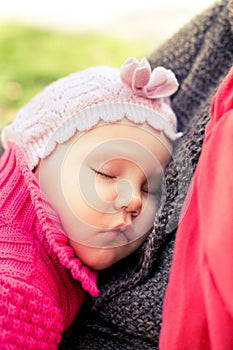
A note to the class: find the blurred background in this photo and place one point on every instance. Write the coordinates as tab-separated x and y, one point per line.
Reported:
41	41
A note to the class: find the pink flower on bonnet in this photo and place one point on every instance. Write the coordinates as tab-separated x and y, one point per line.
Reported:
81	100
138	77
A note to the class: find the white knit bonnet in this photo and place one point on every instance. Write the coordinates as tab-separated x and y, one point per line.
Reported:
81	100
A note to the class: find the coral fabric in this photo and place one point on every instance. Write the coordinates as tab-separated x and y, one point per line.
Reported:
198	306
41	282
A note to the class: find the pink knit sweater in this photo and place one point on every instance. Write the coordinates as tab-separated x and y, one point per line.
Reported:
42	283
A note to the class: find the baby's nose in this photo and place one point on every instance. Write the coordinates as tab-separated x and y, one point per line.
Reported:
128	197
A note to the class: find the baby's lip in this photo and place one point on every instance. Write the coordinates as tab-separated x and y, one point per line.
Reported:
126	230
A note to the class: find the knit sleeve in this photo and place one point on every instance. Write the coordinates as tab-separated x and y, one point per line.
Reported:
28	319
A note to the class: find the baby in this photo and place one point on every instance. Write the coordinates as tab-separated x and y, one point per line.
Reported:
80	185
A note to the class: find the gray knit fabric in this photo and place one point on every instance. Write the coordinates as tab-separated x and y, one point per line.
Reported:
127	314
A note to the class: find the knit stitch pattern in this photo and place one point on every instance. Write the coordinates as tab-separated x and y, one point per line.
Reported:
78	102
41	282
127	313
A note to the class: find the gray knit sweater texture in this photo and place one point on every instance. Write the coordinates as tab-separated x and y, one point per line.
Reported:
127	313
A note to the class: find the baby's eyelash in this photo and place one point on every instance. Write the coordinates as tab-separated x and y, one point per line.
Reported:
103	174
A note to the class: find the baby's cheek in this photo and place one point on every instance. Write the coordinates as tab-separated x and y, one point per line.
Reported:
105	191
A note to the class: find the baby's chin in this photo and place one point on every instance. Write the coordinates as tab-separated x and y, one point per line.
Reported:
96	258
101	258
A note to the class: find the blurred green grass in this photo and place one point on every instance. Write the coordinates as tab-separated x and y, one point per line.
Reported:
31	58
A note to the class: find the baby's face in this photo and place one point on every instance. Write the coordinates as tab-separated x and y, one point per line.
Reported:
105	186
